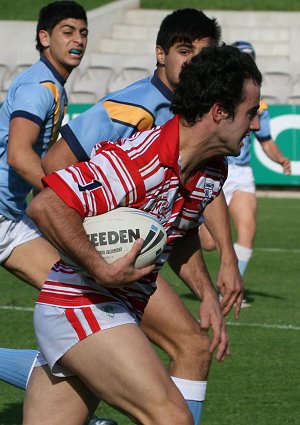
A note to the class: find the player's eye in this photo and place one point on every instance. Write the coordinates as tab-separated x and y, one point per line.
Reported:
184	52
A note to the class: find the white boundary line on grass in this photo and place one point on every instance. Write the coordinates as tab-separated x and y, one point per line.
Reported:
245	325
12	307
283	250
264	325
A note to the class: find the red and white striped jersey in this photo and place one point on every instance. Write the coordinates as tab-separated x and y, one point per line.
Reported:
143	172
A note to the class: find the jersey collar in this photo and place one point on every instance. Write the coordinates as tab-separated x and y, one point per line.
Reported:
169	152
53	70
156	81
169	143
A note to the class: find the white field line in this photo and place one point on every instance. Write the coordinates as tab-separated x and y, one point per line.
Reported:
280	250
264	325
12	307
246	325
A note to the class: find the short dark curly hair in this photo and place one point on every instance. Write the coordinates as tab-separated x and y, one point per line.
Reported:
215	75
51	14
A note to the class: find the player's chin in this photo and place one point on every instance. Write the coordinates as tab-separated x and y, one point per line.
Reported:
237	151
73	63
74	58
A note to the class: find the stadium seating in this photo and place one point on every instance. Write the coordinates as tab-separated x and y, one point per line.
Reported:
294	96
83	96
122	49
128	75
94	79
3	72
276	86
11	75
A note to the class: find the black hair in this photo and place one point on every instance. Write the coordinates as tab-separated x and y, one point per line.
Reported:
186	25
215	75
51	14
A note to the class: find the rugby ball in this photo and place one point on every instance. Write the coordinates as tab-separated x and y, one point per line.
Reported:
114	233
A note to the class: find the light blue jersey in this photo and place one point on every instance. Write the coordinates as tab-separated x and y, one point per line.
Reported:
142	105
37	94
262	135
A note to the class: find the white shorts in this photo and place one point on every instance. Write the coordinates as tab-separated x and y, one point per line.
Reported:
14	233
58	329
240	177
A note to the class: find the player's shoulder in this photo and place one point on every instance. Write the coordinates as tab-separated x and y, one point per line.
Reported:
263	106
38	74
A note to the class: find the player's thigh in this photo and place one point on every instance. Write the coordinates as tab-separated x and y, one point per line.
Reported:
32	261
121	367
243	207
56	400
170	325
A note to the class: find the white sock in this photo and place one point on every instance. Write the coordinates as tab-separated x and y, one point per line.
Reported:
244	255
191	390
194	395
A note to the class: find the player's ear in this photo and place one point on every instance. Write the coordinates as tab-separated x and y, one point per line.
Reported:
160	56
218	112
44	37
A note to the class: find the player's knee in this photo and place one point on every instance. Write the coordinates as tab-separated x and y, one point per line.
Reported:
208	244
207	241
194	345
180	416
173	414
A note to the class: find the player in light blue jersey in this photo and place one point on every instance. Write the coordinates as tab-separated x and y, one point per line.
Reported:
36	101
30	118
239	188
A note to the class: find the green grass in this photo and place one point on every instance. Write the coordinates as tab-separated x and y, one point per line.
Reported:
223	4
259	383
29	8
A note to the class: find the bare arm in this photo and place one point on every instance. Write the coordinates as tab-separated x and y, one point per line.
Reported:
23	135
58	157
63	228
187	261
274	153
229	280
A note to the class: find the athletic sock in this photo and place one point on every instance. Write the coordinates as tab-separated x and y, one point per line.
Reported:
194	394
16	366
244	255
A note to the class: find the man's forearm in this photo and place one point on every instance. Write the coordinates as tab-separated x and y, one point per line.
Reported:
217	221
187	261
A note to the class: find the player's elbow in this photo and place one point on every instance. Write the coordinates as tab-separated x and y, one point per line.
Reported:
33	209
14	161
37	208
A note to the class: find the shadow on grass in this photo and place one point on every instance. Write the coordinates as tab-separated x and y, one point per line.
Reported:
11	414
249	295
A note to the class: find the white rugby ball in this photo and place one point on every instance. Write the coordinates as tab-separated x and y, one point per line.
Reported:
114	233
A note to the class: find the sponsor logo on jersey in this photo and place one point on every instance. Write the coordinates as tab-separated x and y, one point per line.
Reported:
208	193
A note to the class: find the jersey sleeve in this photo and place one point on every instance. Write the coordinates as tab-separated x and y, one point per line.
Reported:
111	179
88	129
264	119
33	102
110	119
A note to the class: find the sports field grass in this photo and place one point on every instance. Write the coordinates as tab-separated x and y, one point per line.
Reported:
259	383
30	8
